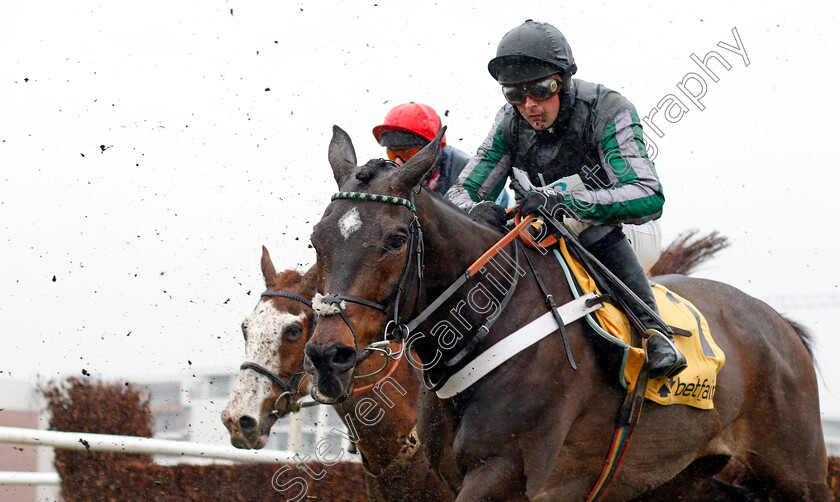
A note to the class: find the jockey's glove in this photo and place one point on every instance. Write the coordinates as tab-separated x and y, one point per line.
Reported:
551	200
518	190
489	213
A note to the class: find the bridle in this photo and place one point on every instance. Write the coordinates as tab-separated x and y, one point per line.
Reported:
395	330
399	331
291	384
333	303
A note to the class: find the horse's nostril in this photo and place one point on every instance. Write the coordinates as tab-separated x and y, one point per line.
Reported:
313	356
247	424
337	358
343	358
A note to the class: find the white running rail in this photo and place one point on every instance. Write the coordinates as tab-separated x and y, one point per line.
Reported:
29	478
123	444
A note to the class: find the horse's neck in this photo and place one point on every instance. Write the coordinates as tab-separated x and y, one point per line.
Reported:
453	243
394	398
452	240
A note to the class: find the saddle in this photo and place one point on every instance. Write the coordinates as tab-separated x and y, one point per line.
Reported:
695	386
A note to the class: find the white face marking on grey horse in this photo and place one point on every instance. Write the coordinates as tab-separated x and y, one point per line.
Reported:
349	223
264	326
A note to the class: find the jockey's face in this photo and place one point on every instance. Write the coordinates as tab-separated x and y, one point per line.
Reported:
540	114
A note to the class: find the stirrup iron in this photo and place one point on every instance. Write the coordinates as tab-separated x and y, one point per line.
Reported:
677	366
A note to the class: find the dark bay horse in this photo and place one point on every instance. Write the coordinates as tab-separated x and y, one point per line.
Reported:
275	335
276	332
534	428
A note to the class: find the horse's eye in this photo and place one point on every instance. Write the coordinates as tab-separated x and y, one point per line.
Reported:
292	333
395	242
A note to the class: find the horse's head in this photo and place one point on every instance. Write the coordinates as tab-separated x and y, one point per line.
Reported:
275	334
363	244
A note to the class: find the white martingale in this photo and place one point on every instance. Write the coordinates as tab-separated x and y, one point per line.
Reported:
325	309
349	223
513	344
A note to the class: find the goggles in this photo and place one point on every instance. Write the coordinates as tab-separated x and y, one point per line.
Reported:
540	91
403	153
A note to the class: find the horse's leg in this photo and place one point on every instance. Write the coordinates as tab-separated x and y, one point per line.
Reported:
696	483
786	448
436	427
497	479
767	394
780	485
788	457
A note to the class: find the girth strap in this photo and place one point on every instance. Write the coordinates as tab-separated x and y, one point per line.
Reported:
628	417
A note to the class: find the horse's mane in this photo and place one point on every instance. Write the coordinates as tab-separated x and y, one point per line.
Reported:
368	172
454	210
372	172
441	198
289	278
438	196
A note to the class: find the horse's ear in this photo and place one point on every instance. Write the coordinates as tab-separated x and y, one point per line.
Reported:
342	156
268	271
417	166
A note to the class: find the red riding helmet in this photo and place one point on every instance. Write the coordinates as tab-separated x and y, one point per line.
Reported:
414	118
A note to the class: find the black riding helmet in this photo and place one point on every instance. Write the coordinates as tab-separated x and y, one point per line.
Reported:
530	52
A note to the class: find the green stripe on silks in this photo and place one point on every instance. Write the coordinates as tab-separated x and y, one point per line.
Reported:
613	155
639	138
481	172
622	161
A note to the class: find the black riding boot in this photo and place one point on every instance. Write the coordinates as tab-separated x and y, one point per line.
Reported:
611	247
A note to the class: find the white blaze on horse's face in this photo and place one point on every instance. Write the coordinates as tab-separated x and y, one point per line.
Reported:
264	329
349	223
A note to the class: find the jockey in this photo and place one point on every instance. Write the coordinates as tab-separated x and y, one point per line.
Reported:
578	147
411	126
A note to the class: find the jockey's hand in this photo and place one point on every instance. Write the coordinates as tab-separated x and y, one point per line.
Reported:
489	213
518	190
551	200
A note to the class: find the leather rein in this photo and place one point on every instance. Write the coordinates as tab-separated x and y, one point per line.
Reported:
395	330
631	407
288	386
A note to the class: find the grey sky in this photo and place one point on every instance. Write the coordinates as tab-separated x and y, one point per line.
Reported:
215	119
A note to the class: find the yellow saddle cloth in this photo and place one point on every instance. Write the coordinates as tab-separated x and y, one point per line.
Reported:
694	386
